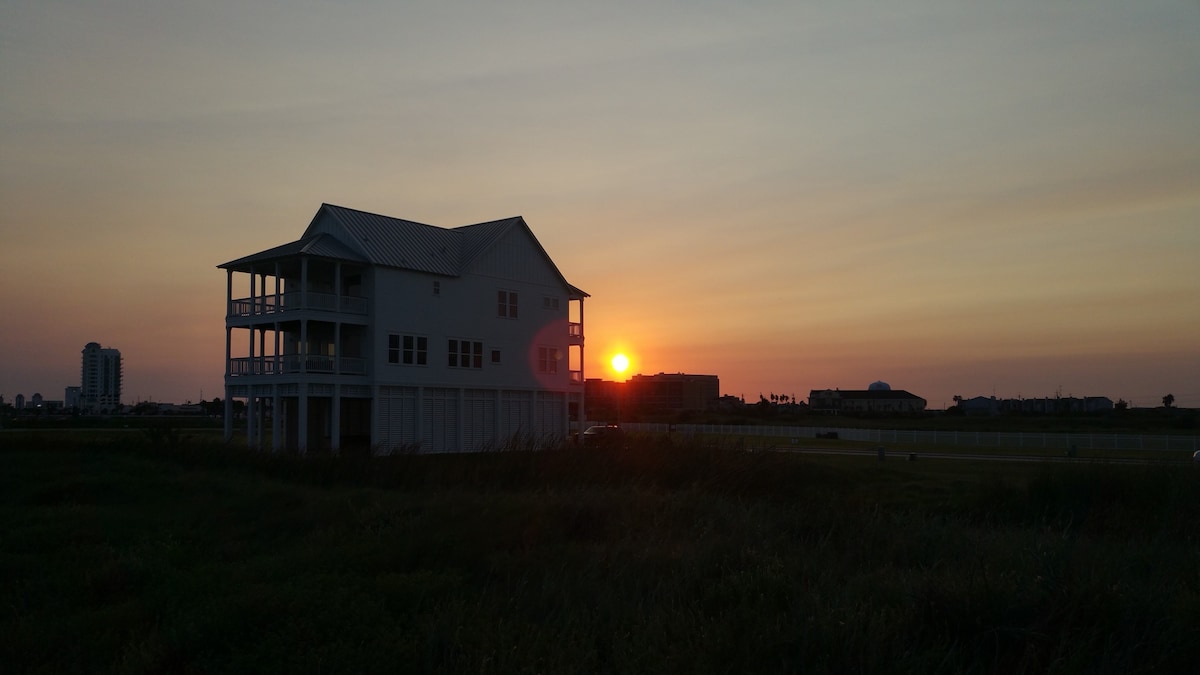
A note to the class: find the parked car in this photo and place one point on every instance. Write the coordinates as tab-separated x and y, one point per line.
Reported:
1196	458
603	436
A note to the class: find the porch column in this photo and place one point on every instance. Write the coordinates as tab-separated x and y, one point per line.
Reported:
303	348
276	419
251	420
228	404
335	430
228	416
260	365
304	283
302	420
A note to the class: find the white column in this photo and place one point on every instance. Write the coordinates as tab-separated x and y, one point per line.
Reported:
251	419
335	431
302	419
228	416
276	418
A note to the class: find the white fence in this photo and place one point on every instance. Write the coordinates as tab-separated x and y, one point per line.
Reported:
983	439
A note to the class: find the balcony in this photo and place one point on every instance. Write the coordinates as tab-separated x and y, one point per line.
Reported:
296	363
291	301
576	376
575	332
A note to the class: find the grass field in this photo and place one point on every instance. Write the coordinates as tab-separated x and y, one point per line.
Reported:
145	554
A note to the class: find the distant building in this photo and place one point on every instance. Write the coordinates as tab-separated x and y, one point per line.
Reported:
661	393
674	392
71	396
100	389
19	402
979	405
878	398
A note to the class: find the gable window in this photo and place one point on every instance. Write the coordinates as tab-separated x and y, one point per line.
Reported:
409	350
464	353
506	304
548	360
437	287
495	356
549	302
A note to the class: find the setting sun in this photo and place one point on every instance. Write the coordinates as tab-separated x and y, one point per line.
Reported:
620	363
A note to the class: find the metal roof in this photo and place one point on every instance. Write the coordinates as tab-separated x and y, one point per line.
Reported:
349	234
395	242
320	245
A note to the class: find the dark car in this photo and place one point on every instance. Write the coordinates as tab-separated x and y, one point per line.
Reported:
604	436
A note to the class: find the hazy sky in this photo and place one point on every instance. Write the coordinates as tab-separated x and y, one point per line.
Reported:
955	197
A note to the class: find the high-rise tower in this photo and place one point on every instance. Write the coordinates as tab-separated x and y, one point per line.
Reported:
100	381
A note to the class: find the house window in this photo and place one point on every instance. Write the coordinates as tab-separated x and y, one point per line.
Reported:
548	360
495	356
506	304
464	353
549	302
409	350
437	287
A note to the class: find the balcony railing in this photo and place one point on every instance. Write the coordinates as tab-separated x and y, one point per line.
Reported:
291	301
576	376
296	363
575	330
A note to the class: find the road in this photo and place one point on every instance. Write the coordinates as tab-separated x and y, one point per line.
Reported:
978	457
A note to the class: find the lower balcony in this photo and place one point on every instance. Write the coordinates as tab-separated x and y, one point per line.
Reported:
296	363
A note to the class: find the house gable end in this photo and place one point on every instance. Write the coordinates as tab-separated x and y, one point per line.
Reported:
324	222
509	250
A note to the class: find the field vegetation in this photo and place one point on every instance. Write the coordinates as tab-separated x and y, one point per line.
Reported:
159	552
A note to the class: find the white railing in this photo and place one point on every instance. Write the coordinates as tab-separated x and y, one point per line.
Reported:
291	301
576	376
981	439
296	363
575	330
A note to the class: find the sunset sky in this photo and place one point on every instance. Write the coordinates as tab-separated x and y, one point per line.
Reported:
955	197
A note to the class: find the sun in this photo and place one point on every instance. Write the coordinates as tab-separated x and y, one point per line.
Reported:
620	363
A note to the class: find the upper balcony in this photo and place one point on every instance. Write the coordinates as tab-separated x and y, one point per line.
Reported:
295	301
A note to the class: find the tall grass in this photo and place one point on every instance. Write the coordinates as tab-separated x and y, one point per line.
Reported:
661	557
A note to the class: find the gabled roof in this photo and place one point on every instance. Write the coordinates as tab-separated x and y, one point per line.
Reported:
395	242
349	234
320	245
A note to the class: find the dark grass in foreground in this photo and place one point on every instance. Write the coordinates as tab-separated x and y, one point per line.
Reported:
661	558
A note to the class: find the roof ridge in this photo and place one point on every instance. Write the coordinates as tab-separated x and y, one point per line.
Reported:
380	215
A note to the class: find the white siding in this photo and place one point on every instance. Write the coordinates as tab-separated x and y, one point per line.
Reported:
516	256
516	415
479	419
440	422
396	418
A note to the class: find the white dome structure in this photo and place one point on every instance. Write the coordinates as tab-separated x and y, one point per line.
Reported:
879	385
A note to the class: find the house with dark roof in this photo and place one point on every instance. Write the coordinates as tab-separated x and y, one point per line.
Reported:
874	400
389	334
